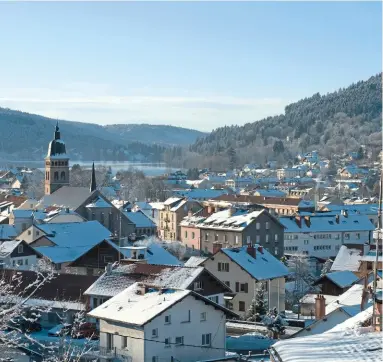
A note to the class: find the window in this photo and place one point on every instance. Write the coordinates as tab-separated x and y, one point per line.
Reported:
179	341
305	242
167	319
29	232
223	266
241	287
241	306
108	259
193	235
155	333
198	285
258	239
358	235
20	248
215	237
167	342
347	236
206	339
14	262
186	234
236	239
203	317
267	225
248	240
276	238
214	299
267	238
20	262
276	251
109	341
154	359
225	238
56	176
124	341
258	226
62	176
26	261
37	233
206	237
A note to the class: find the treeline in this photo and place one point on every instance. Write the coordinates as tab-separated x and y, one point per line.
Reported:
334	123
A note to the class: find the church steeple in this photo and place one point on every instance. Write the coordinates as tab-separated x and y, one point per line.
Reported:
93	185
57	131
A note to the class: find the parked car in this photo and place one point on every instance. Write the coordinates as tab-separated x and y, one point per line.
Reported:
85	330
60	330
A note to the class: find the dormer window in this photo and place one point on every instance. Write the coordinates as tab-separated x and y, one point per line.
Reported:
20	249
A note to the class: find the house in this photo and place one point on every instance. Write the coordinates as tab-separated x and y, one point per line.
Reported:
307	303
190	234
244	269
336	283
96	259
347	305
17	254
199	194
278	205
283	173
240	182
149	323
236	227
144	225
347	259
61	296
329	347
352	172
269	193
175	209
60	216
63	243
322	235
116	279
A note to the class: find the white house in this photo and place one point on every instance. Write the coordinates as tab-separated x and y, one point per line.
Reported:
17	254
149	324
322	236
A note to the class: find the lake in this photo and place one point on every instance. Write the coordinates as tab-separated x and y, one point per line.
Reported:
149	169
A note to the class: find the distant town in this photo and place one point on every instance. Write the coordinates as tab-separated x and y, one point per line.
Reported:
241	264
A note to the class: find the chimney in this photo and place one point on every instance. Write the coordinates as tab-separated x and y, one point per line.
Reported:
231	211
67	210
209	210
345	213
260	249
320	307
108	269
337	219
190	213
308	221
217	247
141	289
298	220
251	250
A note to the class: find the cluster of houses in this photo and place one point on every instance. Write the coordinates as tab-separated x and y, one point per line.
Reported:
121	263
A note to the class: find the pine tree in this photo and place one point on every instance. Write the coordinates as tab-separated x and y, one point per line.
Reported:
326	267
257	307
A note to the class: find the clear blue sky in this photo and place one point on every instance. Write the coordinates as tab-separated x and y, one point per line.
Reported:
197	65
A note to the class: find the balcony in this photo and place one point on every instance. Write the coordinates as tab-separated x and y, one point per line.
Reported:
108	353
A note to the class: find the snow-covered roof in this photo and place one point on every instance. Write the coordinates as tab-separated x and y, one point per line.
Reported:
347	259
157	205
7	232
66	196
192	220
330	347
71	239
310	298
139	219
354	322
321	223
349	301
132	308
343	278
7	247
371	256
263	267
200	193
224	220
172	200
99	203
195	261
22	213
143	205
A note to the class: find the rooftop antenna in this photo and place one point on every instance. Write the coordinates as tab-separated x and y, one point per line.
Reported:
379	232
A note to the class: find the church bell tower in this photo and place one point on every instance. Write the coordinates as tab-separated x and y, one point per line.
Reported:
56	164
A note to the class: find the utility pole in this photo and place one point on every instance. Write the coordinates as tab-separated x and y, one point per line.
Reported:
379	232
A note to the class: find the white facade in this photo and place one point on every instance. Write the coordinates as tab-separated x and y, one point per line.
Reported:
322	244
20	263
173	333
31	234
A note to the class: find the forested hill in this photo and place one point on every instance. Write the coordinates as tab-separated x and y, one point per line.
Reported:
25	136
333	124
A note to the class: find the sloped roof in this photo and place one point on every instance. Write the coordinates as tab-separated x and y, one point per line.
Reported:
195	261
347	259
7	232
342	279
319	223
330	347
67	196
263	267
99	203
7	247
200	193
354	322
139	219
291	201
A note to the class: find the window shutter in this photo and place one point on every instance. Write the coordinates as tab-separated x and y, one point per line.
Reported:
219	266
246	288
237	287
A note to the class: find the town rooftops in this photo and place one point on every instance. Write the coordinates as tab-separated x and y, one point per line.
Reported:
320	223
66	196
342	279
7	232
200	193
263	267
196	261
139	304
330	347
354	322
347	259
287	201
139	219
99	203
7	247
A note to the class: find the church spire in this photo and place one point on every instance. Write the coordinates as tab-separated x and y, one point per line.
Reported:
93	185
57	131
